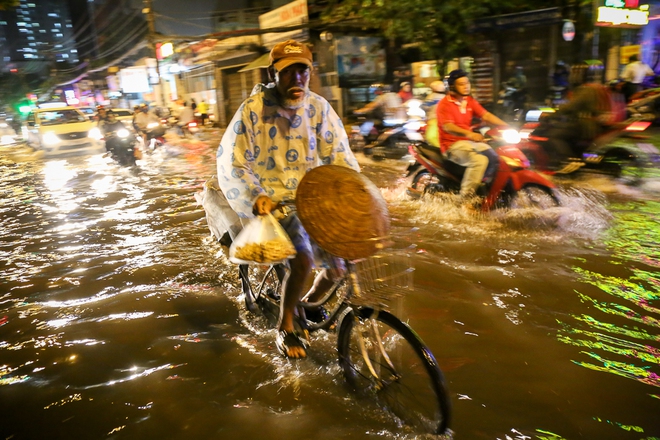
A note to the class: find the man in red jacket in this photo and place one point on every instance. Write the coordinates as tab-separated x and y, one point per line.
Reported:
457	140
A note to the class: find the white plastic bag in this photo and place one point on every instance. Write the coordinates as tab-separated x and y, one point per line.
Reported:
262	241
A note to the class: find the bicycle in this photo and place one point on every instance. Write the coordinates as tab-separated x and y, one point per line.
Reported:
380	355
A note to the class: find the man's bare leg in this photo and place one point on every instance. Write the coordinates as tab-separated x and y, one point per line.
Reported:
295	283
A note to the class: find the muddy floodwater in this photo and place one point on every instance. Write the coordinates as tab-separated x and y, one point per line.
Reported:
120	317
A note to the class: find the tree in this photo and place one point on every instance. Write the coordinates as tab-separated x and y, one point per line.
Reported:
6	5
437	27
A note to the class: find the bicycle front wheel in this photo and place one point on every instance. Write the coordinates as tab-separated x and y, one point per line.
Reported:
384	358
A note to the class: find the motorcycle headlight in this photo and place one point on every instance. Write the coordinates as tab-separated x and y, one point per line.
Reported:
122	133
511	136
50	138
152	125
95	133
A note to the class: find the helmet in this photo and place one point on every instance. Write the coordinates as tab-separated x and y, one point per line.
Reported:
438	86
404	83
136	107
99	107
144	107
454	75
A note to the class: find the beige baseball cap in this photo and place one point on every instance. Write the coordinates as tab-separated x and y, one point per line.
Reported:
290	52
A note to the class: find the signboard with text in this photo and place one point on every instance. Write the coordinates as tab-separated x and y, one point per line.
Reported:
622	13
291	14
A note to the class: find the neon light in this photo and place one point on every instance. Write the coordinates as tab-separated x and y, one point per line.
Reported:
637	17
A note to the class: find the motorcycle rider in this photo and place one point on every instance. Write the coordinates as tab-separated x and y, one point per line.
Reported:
457	140
101	116
592	109
142	120
186	115
386	106
111	125
405	92
430	106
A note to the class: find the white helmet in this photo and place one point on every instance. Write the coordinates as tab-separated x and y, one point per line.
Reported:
438	86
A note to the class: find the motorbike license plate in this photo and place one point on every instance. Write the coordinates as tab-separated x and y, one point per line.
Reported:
649	149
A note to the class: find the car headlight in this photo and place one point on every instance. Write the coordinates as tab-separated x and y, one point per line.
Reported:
122	133
95	133
50	138
511	136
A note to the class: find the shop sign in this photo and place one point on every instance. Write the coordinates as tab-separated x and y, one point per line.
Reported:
626	51
539	17
290	14
622	13
360	60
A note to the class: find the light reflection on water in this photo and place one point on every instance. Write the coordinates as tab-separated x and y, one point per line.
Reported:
622	333
119	316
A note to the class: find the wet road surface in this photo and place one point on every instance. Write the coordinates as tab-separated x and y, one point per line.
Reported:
120	317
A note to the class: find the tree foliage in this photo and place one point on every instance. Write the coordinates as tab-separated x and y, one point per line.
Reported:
438	27
6	5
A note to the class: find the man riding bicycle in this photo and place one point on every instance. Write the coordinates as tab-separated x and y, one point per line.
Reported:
278	134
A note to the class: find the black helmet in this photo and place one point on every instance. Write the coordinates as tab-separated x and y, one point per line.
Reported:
454	75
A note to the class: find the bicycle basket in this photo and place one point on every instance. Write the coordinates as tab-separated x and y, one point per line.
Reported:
383	278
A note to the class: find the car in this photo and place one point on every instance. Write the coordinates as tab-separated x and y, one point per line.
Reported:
90	112
61	130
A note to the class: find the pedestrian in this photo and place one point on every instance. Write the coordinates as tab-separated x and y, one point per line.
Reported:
193	104
203	108
633	76
278	134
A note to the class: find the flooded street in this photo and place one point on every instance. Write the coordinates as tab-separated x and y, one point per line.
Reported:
121	318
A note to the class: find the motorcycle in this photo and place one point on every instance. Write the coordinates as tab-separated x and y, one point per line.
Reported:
511	102
155	136
190	129
121	144
621	152
513	185
392	142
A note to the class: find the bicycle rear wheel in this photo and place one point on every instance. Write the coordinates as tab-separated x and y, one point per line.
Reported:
383	357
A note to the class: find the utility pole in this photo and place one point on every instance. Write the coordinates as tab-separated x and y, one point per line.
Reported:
152	34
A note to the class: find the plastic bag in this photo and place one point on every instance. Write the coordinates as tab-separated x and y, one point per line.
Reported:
262	241
219	215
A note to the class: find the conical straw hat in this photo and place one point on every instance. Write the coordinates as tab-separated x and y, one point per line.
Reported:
343	211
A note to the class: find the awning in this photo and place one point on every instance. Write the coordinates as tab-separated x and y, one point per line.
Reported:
259	63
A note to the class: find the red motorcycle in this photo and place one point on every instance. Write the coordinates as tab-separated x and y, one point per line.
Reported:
513	185
613	153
